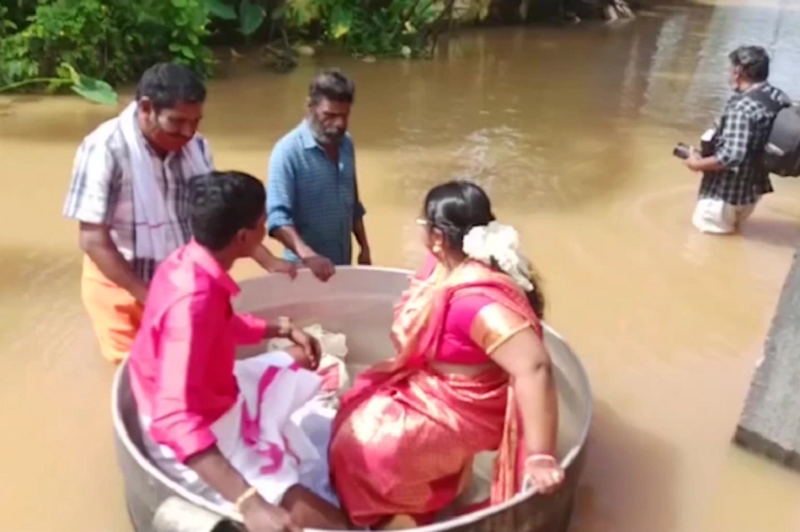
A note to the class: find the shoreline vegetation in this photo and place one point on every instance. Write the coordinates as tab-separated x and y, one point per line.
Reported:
92	46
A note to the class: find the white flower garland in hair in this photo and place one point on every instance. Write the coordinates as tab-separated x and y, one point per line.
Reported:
499	242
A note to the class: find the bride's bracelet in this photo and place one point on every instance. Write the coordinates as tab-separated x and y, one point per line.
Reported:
541	457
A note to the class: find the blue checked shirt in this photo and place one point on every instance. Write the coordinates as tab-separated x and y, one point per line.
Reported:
319	198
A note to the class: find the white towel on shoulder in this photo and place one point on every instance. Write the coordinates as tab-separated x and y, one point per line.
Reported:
153	217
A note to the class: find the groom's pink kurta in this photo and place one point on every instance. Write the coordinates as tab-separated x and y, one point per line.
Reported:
181	363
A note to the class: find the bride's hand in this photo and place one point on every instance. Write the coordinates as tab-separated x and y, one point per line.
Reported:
543	473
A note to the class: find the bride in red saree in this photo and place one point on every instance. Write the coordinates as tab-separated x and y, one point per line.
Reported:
471	374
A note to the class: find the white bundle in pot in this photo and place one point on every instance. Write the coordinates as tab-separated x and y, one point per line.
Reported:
332	369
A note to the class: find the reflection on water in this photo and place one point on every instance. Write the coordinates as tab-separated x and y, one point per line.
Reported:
571	130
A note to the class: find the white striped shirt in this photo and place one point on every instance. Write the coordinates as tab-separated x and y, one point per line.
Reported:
101	191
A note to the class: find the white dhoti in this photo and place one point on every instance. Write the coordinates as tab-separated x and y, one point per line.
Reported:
276	435
715	216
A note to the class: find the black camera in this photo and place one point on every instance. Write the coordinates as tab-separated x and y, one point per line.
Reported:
682	150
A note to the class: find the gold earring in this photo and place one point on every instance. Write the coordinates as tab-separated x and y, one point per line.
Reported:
436	249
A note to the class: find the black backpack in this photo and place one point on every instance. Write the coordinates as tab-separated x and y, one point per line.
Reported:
782	151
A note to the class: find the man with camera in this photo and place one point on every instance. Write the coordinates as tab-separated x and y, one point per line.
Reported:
734	174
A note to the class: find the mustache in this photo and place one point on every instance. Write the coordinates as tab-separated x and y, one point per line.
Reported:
177	136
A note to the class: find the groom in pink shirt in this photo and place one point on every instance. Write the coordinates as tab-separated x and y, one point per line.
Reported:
182	361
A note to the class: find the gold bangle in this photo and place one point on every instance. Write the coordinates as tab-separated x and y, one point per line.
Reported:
244	496
540	457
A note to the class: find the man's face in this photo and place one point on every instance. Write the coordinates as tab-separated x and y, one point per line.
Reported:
735	77
170	129
329	120
249	239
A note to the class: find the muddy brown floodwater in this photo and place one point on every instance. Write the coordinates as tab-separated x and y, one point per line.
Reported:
571	131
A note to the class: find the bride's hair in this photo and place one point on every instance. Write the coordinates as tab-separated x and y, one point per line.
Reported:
455	208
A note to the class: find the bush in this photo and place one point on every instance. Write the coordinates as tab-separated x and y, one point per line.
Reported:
362	27
114	40
379	27
55	41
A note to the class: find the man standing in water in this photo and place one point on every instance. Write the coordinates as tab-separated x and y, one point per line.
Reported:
734	176
129	193
312	193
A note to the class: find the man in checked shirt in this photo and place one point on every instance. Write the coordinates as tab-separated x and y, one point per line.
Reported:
734	176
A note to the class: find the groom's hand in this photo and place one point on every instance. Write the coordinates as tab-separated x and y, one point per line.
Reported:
309	351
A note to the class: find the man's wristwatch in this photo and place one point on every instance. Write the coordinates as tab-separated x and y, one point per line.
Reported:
284	326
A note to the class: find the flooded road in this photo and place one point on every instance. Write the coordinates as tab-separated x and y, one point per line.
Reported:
571	131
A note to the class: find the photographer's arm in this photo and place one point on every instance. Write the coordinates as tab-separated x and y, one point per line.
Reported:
704	164
732	149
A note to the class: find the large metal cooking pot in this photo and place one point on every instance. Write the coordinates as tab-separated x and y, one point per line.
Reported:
358	302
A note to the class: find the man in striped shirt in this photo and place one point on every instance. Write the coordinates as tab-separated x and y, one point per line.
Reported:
313	206
116	274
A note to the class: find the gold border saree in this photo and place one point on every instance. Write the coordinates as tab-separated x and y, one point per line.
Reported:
405	435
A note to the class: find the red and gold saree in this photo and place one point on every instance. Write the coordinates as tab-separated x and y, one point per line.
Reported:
405	435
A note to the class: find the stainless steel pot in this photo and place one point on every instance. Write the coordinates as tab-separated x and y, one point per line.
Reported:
358	302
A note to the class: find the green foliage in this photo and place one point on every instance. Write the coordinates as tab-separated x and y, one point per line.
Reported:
92	89
113	40
181	27
222	10
7	25
250	14
301	13
378	27
78	33
46	42
363	27
14	13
